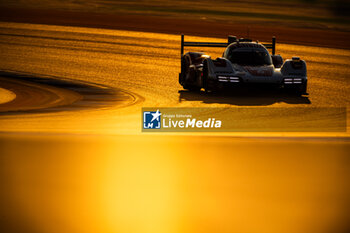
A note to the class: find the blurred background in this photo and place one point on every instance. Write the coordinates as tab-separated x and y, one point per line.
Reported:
296	13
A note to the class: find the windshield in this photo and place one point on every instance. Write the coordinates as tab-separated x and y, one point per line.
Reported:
249	57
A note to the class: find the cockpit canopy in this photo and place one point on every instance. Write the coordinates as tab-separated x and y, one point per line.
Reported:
248	54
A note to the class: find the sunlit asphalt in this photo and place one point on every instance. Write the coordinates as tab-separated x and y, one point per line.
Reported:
146	65
113	178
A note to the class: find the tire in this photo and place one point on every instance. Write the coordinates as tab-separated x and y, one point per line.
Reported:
205	77
304	89
183	72
301	90
297	91
192	88
187	84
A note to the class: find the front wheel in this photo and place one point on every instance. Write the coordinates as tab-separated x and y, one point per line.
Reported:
192	88
297	90
301	90
205	77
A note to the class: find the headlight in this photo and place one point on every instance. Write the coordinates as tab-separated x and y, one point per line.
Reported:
293	81
230	79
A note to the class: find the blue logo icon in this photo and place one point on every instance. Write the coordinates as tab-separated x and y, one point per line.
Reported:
151	120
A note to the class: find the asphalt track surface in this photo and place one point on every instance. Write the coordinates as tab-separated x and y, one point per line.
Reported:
113	178
145	65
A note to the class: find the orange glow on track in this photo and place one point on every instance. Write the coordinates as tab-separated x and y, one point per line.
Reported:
91	184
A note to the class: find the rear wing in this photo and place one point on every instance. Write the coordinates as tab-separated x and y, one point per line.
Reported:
230	40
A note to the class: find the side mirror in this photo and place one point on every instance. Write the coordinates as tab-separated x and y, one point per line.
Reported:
231	39
277	60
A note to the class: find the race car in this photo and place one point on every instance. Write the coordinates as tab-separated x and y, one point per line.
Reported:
243	63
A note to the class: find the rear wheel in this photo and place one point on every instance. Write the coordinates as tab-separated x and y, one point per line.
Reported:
184	68
297	90
205	76
192	88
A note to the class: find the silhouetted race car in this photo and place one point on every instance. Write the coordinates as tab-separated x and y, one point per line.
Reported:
244	63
